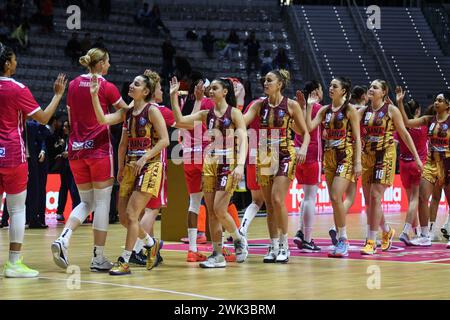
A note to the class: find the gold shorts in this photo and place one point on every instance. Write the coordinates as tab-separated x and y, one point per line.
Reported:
338	163
216	176
379	167
437	171
276	164
148	181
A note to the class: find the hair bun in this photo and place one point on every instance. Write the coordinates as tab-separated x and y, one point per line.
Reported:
85	60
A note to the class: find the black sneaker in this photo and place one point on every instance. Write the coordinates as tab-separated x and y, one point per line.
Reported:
299	238
309	247
444	231
160	258
333	235
138	259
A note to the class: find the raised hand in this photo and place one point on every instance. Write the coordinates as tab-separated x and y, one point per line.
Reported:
238	173
174	86
300	97
389	101
94	85
147	72
60	84
399	94
313	98
199	91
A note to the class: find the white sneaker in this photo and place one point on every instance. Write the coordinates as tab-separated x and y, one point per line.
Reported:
421	241
434	237
101	264
214	261
404	237
283	254
271	255
241	249
60	254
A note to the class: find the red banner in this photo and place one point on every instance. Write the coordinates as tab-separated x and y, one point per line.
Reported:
394	199
53	184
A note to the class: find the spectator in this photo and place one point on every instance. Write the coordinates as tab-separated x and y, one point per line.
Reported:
35	152
191	34
4	32
105	8
252	52
208	43
86	43
46	11
156	22
266	63
73	49
99	43
13	12
168	52
143	15
182	68
67	180
281	60
232	44
20	36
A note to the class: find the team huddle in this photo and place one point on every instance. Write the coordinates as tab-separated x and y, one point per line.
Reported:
275	140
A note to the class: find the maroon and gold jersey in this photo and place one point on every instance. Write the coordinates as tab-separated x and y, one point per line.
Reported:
277	123
377	129
439	139
141	135
220	130
337	130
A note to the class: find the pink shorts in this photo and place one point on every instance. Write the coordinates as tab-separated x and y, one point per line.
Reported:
161	200
193	176
14	180
409	174
252	184
92	170
309	173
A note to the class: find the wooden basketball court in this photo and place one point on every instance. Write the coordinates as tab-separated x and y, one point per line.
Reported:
306	276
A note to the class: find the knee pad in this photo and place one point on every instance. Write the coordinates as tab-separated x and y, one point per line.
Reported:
81	211
102	198
16	208
194	202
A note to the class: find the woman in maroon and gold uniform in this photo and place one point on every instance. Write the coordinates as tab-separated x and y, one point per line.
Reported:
379	121
224	163
142	175
437	168
342	157
276	156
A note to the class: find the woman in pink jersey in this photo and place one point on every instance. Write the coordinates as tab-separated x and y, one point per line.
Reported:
436	171
141	167
251	181
224	163
193	146
16	103
408	173
90	158
309	174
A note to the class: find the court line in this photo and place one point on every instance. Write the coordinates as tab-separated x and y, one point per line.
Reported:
341	259
436	260
138	287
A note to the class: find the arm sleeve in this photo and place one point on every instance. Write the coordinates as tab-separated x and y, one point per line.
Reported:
168	116
112	94
26	102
